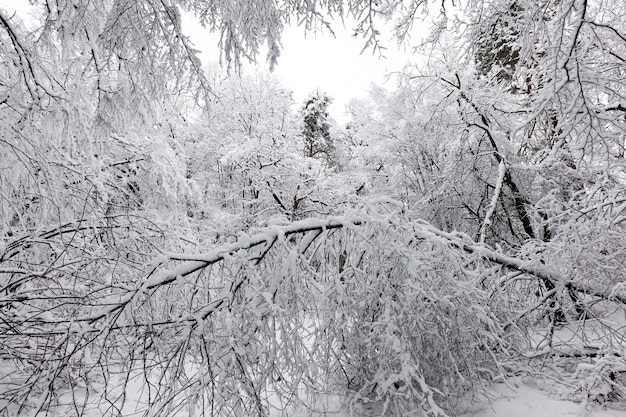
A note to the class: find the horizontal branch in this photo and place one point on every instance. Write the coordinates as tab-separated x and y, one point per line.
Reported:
200	261
312	229
527	267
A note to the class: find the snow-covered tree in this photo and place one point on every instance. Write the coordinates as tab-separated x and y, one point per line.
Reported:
316	127
492	228
513	140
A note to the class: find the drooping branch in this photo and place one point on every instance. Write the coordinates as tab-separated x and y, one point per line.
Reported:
542	272
195	262
27	63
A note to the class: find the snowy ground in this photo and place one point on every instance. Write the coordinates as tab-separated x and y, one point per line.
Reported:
527	401
519	399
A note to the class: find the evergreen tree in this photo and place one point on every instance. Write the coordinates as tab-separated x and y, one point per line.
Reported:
496	39
316	129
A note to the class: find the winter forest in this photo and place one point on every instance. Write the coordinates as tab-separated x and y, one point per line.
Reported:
177	240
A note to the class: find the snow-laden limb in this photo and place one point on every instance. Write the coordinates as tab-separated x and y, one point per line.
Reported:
494	199
14	271
530	267
196	262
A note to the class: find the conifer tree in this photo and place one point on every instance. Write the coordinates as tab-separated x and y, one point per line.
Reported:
316	126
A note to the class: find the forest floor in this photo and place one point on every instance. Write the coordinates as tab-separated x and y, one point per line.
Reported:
517	398
527	400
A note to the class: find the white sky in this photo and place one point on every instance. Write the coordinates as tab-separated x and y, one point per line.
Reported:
334	65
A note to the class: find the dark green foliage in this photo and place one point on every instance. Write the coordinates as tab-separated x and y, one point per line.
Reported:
316	128
495	47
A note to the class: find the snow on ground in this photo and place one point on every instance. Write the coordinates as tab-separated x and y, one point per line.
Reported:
518	399
527	401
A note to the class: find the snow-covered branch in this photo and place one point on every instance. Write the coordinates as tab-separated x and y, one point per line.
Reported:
494	200
531	267
196	262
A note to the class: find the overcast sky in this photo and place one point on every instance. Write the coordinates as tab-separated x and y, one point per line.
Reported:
335	65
